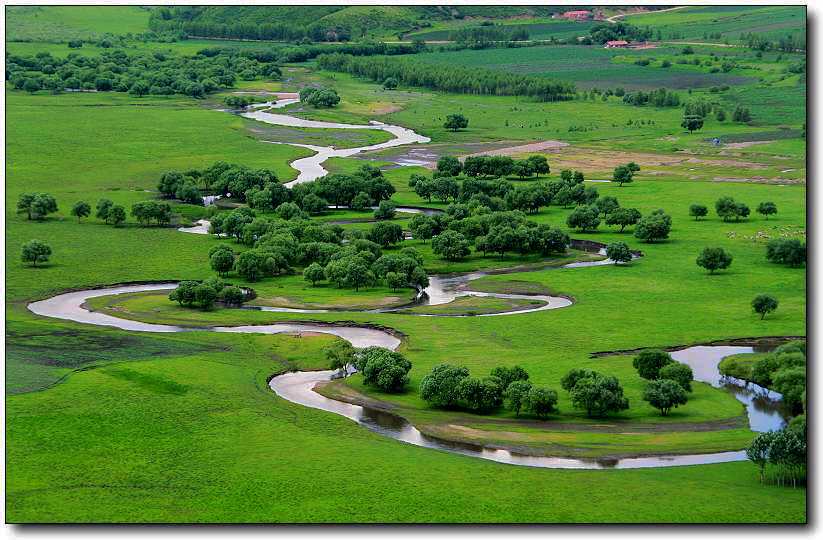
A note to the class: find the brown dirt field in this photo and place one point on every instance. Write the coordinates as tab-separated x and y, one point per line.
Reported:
522	149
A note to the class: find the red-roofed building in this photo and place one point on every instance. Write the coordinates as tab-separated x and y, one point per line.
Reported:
581	15
617	44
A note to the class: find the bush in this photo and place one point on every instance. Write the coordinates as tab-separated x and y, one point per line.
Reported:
619	252
649	363
541	401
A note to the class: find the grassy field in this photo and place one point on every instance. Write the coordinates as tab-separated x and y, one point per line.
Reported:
62	23
105	425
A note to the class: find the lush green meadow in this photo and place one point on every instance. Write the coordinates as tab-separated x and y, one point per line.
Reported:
60	23
106	425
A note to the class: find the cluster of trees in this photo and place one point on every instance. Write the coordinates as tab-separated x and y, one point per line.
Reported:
36	205
783	370
208	292
727	208
656	98
782	454
669	383
238	102
789	251
478	37
382	368
601	33
142	73
223	178
624	174
147	211
319	97
787	43
282	243
411	71
112	214
34	252
453	387
593	392
360	190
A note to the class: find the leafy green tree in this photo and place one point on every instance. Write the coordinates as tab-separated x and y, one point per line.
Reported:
361	202
449	166
680	373
422	227
508	375
584	219
205	295
758	451
390	83
649	363
539	165
314	273
789	251
598	395
222	261
358	275
622	175
619	252
340	354
140	88
80	210
103	208
385	234
35	251
522	168
541	401
570	379
516	395
692	122
698	211
440	387
455	122
24	203
726	208
767	209
653	227
479	395
183	294
663	394
419	278
606	205
386	210
624	217
395	280
250	265
116	215
42	205
231	295
764	304
713	259
385	369
791	383
450	245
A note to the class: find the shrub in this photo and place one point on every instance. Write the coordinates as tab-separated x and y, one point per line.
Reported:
649	363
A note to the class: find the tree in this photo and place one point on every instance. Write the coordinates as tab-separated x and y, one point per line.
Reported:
103	208
42	204
340	354
358	274
767	209
395	280
231	296
663	394
606	205
449	166
692	122
726	208
35	251
422	227
791	383
522	168
623	175
24	203
80	210
314	273
250	265
140	88
680	373
390	83
598	395
183	294
508	375
205	295
698	211
516	395
385	234
570	379
479	394
655	226
786	251
713	259
360	202
32	85
764	304
649	363
541	401
222	261
116	215
758	450
450	245
584	219
539	165
624	217
386	210
419	278
455	122
385	369
439	388
619	252
741	114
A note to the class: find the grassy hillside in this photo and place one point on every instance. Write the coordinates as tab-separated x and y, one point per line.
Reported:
62	23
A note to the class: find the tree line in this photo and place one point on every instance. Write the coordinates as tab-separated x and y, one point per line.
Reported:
479	81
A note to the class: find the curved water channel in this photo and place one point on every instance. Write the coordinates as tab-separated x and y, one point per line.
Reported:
298	387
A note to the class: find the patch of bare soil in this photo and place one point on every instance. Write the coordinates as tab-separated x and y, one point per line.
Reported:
727	163
542	146
745	144
761	180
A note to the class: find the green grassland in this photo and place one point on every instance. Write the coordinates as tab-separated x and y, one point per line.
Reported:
62	23
105	425
694	22
538	29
